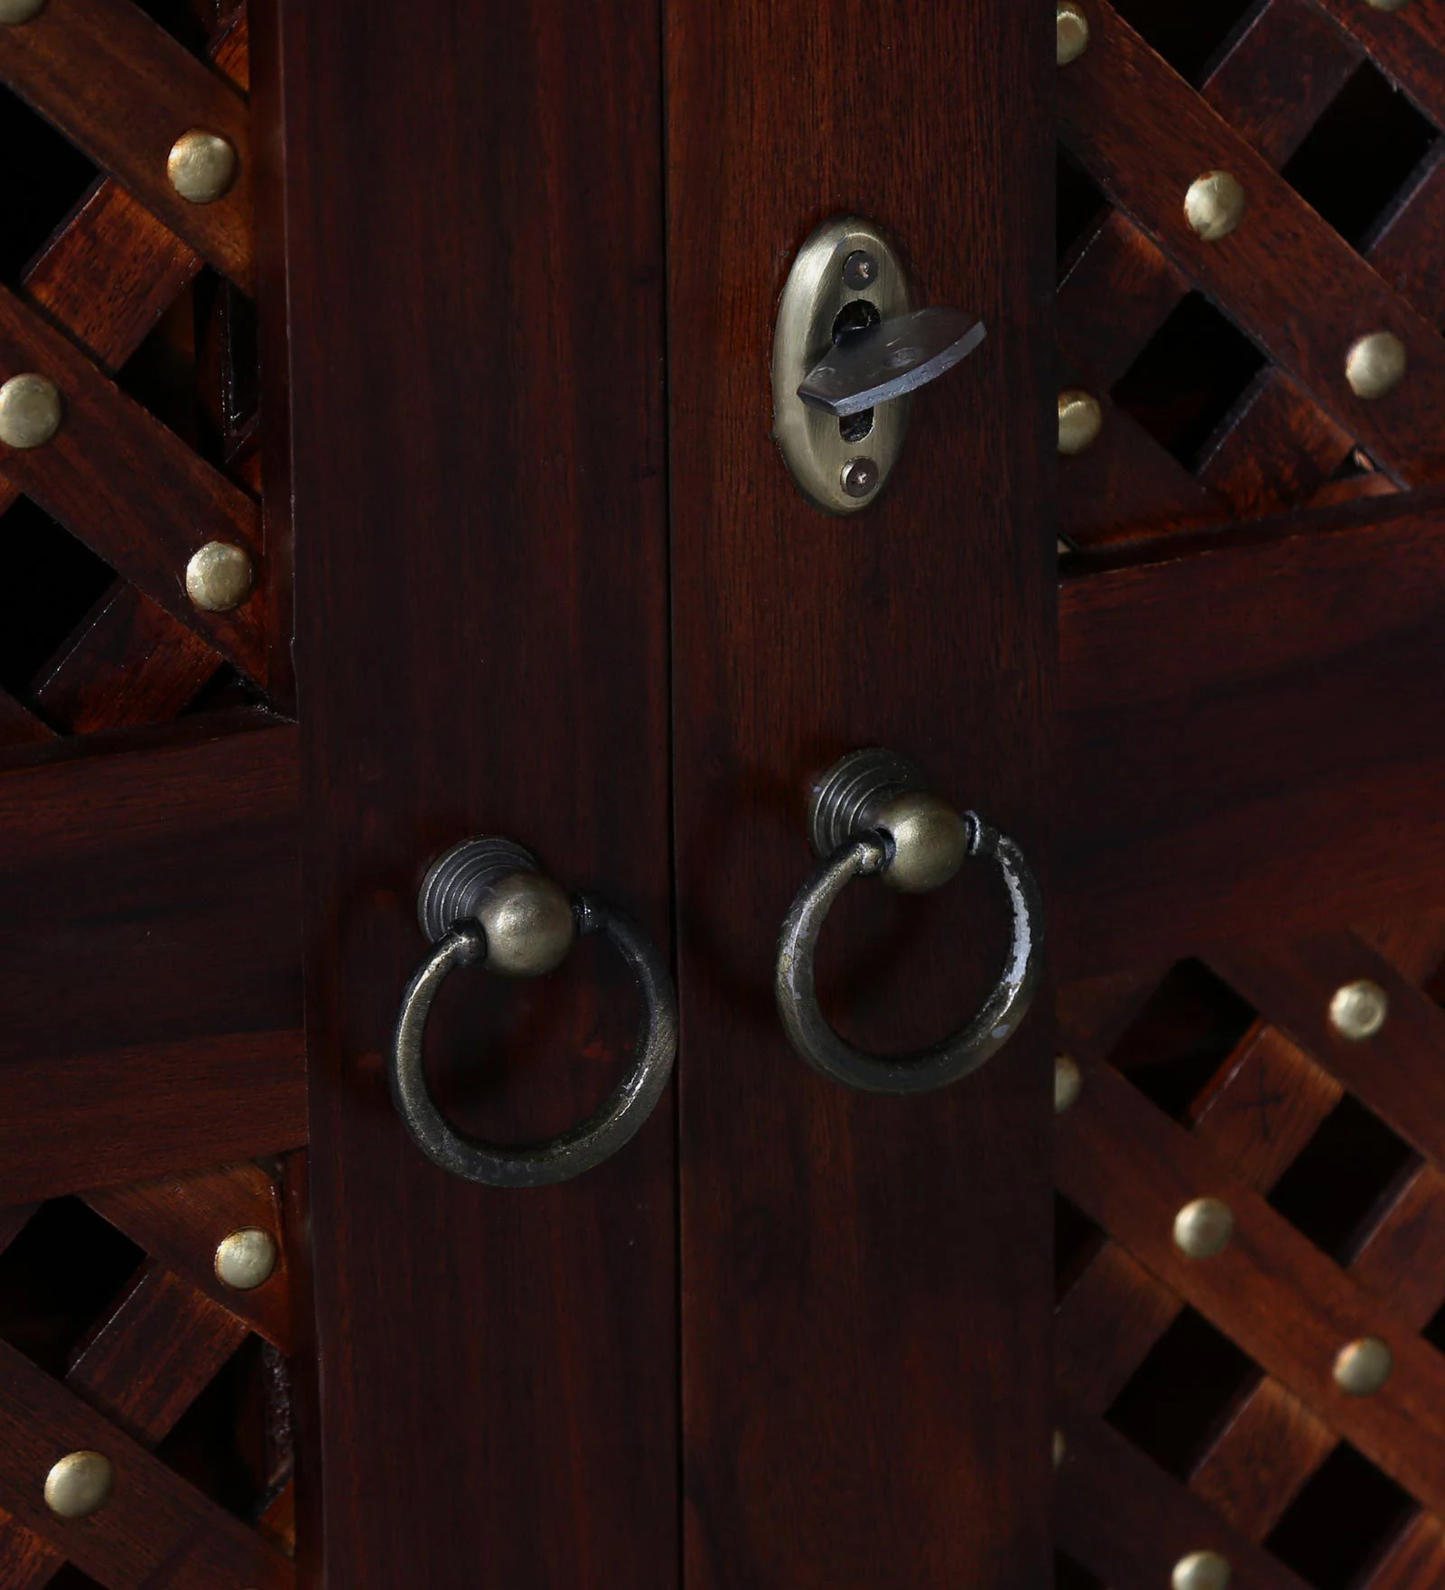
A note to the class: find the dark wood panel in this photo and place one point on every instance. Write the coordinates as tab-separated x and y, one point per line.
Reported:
1253	740
474	256
864	1291
150	955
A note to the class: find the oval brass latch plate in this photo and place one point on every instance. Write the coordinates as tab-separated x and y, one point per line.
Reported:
839	464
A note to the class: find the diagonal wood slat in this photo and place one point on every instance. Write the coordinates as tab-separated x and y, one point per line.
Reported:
128	487
182	1219
122	89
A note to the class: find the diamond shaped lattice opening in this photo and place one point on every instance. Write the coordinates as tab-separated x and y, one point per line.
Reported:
1360	154
1187	36
48	582
37	190
1188	377
1182	1036
1340	1179
56	1278
1181	1391
1342	1519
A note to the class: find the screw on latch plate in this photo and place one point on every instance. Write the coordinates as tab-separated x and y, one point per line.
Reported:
848	351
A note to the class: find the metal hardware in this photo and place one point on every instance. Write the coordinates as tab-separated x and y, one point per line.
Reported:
1363	1367
1071	32
201	166
870	816
1201	1570
14	12
1388	5
1376	365
219	577
30	410
1081	418
485	903
79	1484
1203	1228
1068	1083
246	1259
848	351
1358	1010
1214	204
860	477
1061	1449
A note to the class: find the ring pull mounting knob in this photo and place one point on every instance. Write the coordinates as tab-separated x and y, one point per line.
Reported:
486	903
872	816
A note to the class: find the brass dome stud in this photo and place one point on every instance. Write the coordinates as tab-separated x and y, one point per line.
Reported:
14	12
202	166
1201	1570
1214	205
1081	418
219	577
1376	365
30	411
79	1484
1363	1367
246	1259
1071	31
1203	1228
1068	1083
1358	1010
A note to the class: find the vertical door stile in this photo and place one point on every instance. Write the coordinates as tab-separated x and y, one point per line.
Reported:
866	1279
474	277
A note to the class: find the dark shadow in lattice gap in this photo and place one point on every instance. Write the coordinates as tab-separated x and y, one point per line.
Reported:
1435	1331
59	1278
1189	1028
1188	377
1068	1575
1360	154
1338	1182
1077	1241
1182	1391
1340	1521
71	1578
219	1444
49	581
1080	208
197	369
1187	36
188	23
42	179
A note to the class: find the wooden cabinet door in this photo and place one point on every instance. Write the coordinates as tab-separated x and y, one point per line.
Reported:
464	315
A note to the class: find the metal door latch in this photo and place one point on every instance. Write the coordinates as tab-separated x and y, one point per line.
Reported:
848	351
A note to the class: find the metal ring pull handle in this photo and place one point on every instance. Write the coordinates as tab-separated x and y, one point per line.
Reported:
872	816
485	903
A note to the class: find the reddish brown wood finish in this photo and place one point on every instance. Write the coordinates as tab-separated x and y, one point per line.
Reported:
477	454
150	980
1252	740
861	1275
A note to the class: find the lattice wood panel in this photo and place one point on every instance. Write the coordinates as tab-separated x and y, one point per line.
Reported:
1200	1405
137	307
119	1337
1218	368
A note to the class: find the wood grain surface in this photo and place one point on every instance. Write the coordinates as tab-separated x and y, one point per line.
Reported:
864	1286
